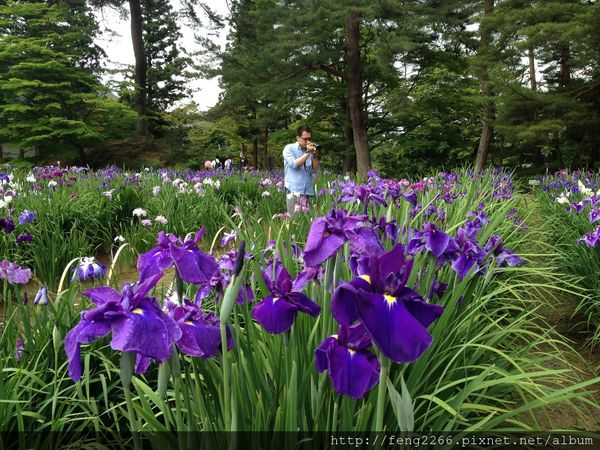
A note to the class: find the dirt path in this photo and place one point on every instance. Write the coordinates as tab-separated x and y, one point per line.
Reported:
558	312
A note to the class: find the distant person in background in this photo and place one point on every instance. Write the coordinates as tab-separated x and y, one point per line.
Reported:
243	162
300	165
229	163
216	164
208	165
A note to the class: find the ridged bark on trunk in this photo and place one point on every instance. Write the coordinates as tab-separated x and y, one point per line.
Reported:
354	88
489	114
350	156
532	78
141	105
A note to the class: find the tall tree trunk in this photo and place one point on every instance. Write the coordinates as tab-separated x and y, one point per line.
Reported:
565	66
255	145
532	78
141	107
354	89
266	161
350	155
489	115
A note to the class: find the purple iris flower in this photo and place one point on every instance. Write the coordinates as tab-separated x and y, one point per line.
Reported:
594	215
228	237
353	368
437	288
297	253
504	257
218	283
591	239
410	197
307	275
277	312
24	237
364	194
7	225
19	349
388	230
328	234
136	321
200	330
463	252
192	265
13	273
431	238
26	217
396	316
575	206
88	267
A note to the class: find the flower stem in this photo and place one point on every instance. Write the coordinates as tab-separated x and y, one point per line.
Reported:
226	379
381	398
131	415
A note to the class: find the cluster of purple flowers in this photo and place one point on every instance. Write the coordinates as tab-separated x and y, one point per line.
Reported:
585	187
136	320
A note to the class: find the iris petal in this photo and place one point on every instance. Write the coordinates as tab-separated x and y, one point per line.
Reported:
199	339
320	245
193	265
344	307
303	303
398	334
436	241
149	333
103	294
84	333
275	315
351	372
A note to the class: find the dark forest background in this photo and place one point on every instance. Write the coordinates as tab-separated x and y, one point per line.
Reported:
402	86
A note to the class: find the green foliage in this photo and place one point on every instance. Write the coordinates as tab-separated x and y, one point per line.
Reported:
50	95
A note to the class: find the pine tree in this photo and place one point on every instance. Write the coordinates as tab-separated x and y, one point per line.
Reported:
49	95
166	62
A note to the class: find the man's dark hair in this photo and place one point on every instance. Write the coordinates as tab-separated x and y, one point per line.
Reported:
302	129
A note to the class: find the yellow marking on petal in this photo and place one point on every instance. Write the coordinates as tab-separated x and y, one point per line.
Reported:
188	322
326	233
139	311
275	299
390	299
367	278
335	336
352	352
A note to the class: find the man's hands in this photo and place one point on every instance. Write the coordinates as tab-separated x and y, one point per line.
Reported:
310	147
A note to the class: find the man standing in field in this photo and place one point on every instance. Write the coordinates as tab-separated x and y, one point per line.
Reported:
301	164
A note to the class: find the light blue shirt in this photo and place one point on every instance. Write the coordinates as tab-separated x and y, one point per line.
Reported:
298	179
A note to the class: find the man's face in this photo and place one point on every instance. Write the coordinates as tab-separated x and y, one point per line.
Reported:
304	139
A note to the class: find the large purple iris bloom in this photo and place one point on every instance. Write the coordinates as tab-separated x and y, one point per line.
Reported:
353	368
328	234
395	316
136	321
200	331
192	265
277	312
